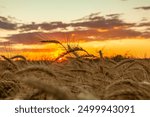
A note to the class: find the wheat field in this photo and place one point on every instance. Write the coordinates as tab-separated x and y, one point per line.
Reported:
78	77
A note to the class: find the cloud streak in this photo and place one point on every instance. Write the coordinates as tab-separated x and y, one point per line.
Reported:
43	26
91	21
88	28
6	24
147	24
143	8
85	35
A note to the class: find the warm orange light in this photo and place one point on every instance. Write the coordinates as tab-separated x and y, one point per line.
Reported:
116	27
102	30
72	35
60	60
134	47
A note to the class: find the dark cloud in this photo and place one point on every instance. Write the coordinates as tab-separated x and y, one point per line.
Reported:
3	18
6	24
44	26
112	34
122	34
143	8
25	38
27	27
114	15
53	25
144	24
91	21
97	21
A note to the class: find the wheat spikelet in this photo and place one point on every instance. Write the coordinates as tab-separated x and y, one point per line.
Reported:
144	66
126	89
8	88
69	48
65	74
81	70
126	94
8	76
70	51
129	75
87	56
37	69
10	61
19	56
145	87
55	42
58	93
111	61
81	62
123	62
101	55
145	82
141	72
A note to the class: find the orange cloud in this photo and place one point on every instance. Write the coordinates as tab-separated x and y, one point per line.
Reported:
92	32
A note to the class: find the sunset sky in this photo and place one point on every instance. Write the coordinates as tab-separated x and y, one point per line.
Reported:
113	26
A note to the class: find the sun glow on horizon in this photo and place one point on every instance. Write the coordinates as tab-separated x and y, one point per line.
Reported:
134	47
138	48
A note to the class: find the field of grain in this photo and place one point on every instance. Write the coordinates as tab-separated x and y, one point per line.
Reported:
80	77
74	75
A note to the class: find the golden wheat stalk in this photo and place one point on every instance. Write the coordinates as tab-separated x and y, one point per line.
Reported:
55	42
126	89
69	48
57	92
123	62
87	56
70	51
65	74
8	88
19	56
37	69
101	55
81	70
10	61
144	66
